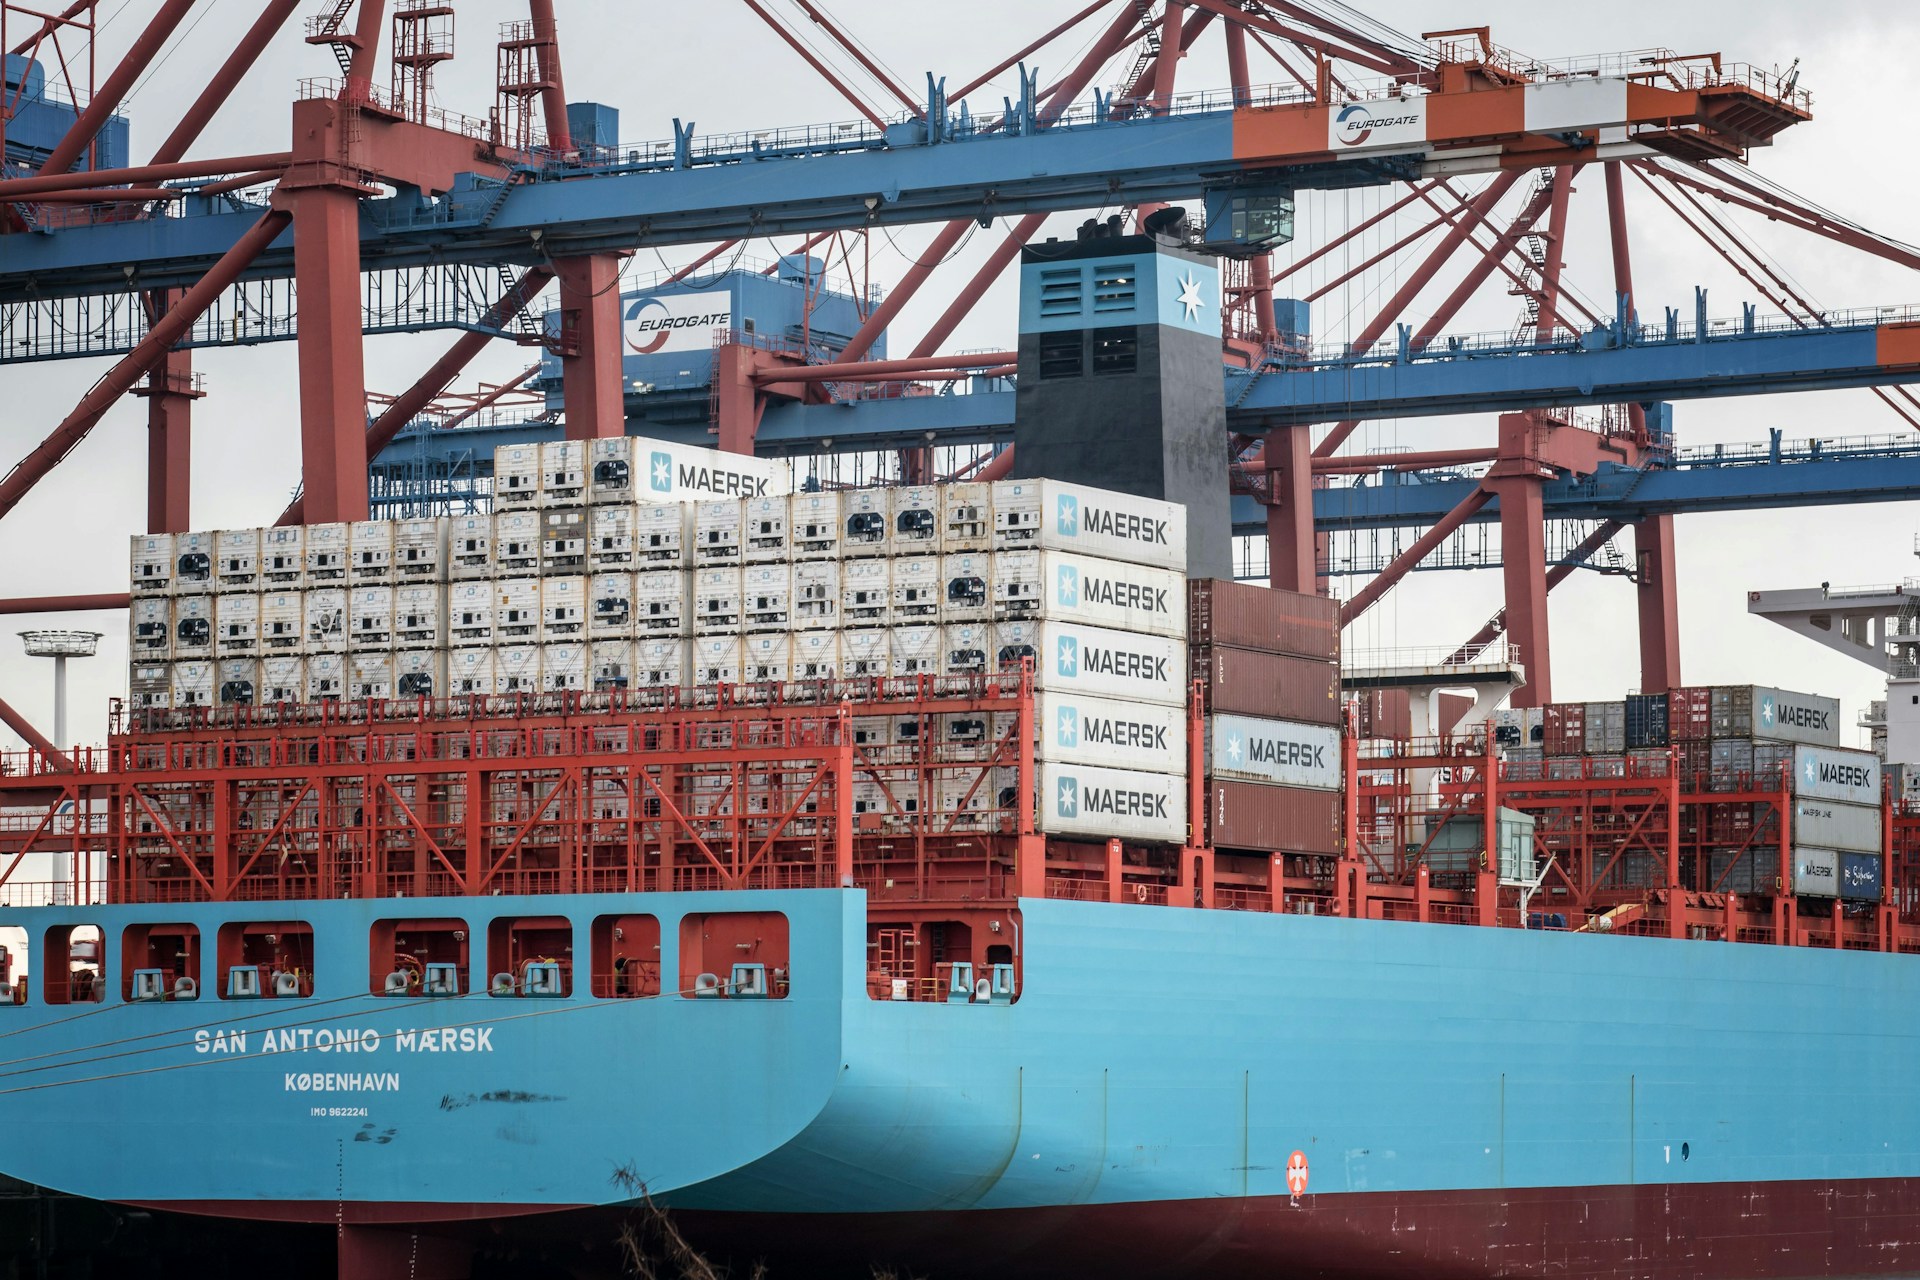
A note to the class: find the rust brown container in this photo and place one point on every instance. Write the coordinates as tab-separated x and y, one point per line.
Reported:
1269	684
1267	819
1244	615
1383	713
1564	727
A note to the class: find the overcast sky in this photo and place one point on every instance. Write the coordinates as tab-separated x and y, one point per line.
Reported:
715	64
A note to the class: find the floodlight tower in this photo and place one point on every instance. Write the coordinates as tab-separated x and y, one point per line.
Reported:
60	645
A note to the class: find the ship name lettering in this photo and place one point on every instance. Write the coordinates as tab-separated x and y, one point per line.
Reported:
340	1081
445	1040
324	1040
223	1041
1124	733
1124	595
1117	524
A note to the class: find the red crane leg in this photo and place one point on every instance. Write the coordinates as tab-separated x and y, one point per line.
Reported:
120	379
1659	604
1404	563
169	394
273	16
333	377
1291	553
34	738
738	402
590	345
1523	555
102	602
553	98
963	302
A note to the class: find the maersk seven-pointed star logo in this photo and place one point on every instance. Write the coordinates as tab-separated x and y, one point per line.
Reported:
1069	588
1069	730
1069	661
1766	711
1233	748
1190	296
1067	520
660	473
1812	772
1067	803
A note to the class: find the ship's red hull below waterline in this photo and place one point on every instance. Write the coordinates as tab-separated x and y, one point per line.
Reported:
1771	1230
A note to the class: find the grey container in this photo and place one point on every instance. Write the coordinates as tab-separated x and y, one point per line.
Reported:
1816	872
1825	824
1606	728
1774	715
1731	767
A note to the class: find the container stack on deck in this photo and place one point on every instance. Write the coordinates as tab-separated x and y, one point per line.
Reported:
1728	746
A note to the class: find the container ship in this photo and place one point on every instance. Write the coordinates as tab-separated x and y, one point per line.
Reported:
935	877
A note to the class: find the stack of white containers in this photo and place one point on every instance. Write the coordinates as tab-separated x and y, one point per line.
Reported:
628	563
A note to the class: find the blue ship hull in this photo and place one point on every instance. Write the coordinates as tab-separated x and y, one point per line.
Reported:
1464	1101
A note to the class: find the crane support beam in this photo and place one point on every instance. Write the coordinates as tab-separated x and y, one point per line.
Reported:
694	190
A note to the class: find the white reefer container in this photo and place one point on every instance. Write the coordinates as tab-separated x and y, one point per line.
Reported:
328	546
1819	773
816	593
1051	515
516	668
865	653
470	607
563	609
966	587
470	673
1081	800
917	587
764	532
966	516
236	682
283	678
150	565
283	623
814	523
610	471
563	540
664	472
193	684
516	543
150	629
370	547
863	523
563	473
661	662
370	617
717	531
563	667
766	592
370	677
516	611
663	535
766	658
324	610
1014	642
1016	585
716	660
915	651
1116	664
420	673
236	559
610	537
610	665
325	677
663	602
610	606
913	520
816	655
150	685
717	600
966	649
283	557
866	592
236	624
420	549
469	547
1098	593
420	616
192	628
1071	728
516	477
193	562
